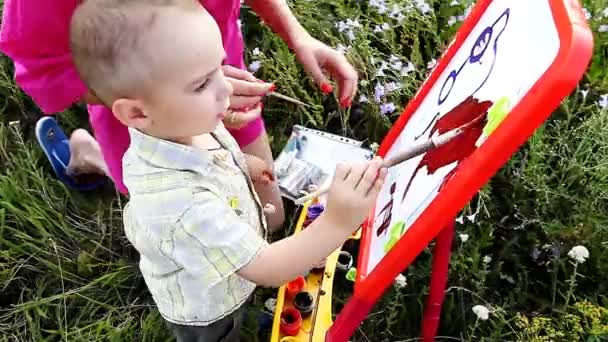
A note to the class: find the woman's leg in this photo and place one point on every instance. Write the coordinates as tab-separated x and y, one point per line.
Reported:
85	155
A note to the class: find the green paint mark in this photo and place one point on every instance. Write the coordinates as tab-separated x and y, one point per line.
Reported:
396	232
496	115
351	275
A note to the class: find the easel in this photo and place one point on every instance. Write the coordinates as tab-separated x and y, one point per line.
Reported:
555	81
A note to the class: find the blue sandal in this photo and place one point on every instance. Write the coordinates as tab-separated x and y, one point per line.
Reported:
55	145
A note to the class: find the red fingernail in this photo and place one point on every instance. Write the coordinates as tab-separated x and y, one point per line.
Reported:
345	102
272	88
326	88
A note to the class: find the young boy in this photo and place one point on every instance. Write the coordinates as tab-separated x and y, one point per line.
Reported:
193	214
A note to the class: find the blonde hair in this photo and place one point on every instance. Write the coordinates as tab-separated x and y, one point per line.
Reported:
111	47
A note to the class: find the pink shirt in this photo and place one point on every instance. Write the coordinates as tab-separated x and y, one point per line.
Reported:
35	35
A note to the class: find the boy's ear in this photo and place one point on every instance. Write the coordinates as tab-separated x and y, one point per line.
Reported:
131	113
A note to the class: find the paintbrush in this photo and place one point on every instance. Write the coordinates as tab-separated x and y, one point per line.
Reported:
289	99
400	157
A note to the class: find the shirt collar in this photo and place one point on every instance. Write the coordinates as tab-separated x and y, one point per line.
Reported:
169	155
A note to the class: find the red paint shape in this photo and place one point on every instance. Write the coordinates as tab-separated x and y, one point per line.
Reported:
470	113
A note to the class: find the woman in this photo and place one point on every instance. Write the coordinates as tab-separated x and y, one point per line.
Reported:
35	35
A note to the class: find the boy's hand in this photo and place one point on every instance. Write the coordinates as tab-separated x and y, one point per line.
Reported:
353	192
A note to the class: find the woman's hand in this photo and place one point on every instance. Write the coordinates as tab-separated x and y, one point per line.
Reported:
245	102
237	119
317	57
247	90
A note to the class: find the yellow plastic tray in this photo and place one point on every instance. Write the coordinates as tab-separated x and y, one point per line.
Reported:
320	286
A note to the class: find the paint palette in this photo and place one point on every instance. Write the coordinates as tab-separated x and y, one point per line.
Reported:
303	309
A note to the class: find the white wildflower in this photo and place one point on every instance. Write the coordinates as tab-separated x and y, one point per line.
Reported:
353	23
602	28
452	20
387	108
350	34
396	64
579	254
431	64
400	281
455	3
463	237
385	26
255	51
395	11
407	69
460	219
381	69
423	7
255	66
363	99
487	259
481	312
584	92
603	101
380	5
342	26
377	29
605	12
343	49
378	92
391	86
472	217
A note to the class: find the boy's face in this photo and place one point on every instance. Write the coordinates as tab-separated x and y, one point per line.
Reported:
190	94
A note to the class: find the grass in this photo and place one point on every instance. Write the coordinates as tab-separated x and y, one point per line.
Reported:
68	273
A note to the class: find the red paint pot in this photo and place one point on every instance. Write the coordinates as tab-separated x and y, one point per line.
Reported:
291	321
294	286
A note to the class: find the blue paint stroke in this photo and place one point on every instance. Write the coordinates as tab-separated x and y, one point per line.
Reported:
482	42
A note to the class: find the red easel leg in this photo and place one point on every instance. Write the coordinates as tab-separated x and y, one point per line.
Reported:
439	278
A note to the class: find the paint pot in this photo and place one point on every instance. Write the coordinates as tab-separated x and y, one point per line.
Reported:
291	321
289	339
313	212
304	302
345	261
294	286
